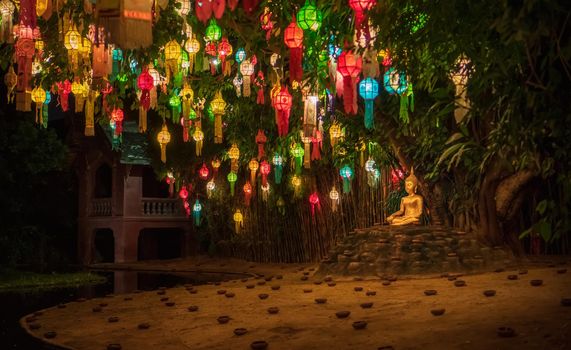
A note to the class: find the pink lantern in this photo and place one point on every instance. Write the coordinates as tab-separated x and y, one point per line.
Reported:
282	103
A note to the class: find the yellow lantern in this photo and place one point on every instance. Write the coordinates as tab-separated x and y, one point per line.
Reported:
187	95
238	220
173	55
192	46
306	150
72	41
77	89
198	137
335	133
247	70
39	97
253	165
164	137
41	7
234	154
296	183
215	166
334	196
218	108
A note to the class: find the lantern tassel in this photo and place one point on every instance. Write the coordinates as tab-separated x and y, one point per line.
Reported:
218	137
369	117
346	185
142	119
278	174
295	64
163	153
349	94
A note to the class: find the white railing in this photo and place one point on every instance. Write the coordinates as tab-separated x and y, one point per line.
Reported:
160	207
100	207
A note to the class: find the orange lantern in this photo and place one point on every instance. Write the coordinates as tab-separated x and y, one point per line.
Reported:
293	38
253	165
282	103
349	65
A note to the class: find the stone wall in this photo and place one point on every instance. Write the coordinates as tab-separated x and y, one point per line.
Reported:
382	250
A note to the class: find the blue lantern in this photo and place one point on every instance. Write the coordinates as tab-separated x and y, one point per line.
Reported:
196	211
369	90
346	173
240	55
395	82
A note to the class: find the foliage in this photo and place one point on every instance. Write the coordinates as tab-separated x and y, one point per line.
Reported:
11	279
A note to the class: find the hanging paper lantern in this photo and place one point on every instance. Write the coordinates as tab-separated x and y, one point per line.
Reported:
213	31
334	196
7	12
183	193
205	9
349	65
346	173
396	83
317	143
234	154
240	55
173	53
183	8
198	137
187	95
253	165
260	141
265	171
282	103
232	177
314	201
296	184
39	97
64	89
297	153
170	180
293	38
79	93
265	192
361	7
238	220
192	47
309	17
218	108
210	187
145	83
369	90
335	133
203	172
266	22
247	193
246	69
117	117
215	166
196	212
306	150
278	165
164	137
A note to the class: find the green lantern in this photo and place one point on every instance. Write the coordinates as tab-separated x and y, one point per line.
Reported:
232	177
213	31
309	17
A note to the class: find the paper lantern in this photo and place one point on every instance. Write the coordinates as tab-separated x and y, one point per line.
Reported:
237	82
238	220
232	177
198	137
183	7
260	82
395	82
183	193
224	50
360	7
278	167
203	172
145	82
296	184
282	103
253	165
261	140
196	212
346	174
335	133
265	192
215	166
309	17
247	193
240	55
317	143
6	26
246	69
170	180
117	117
297	153
266	22
265	169
175	103
369	90
172	57
64	89
218	108
39	97
314	201
187	96
293	38
213	31
349	66
164	137
334	196
192	47
459	75
205	9
79	93
234	154
210	187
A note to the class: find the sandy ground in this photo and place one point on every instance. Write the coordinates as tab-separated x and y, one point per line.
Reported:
399	317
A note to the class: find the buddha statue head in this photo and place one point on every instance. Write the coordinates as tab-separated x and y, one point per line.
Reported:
411	182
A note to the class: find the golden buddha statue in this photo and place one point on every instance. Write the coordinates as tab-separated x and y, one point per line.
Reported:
410	206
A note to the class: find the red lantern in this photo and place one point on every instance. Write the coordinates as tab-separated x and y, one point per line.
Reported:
145	82
349	66
247	193
314	201
360	7
260	81
203	172
317	142
266	22
183	193
205	9
282	103
117	117
261	140
265	171
224	49
64	89
293	38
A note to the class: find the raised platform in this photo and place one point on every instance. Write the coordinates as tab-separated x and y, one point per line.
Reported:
382	250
